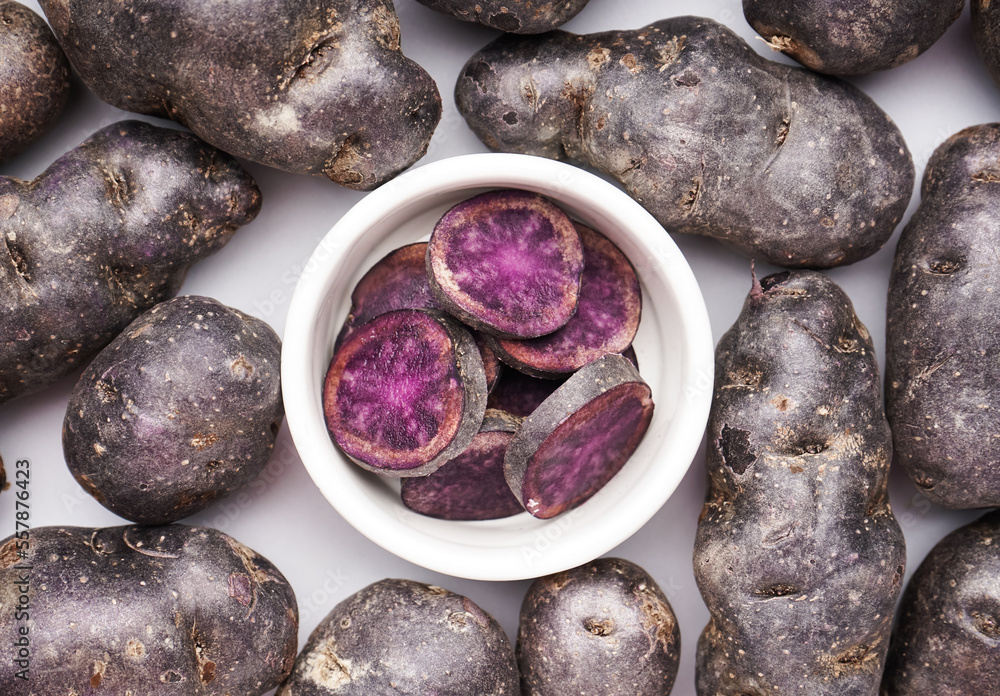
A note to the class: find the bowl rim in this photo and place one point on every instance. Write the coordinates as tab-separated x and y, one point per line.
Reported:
306	424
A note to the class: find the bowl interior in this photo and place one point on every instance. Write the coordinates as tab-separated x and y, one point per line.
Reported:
673	330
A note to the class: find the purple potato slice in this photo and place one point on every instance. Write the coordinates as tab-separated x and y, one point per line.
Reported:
579	437
399	281
606	319
405	393
520	394
507	263
472	485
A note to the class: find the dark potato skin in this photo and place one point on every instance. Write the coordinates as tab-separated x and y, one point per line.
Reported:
514	16
785	166
986	32
106	232
601	628
848	37
146	611
797	554
312	88
180	409
942	344
407	639
947	639
34	78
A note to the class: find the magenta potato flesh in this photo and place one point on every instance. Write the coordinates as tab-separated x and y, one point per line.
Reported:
472	485
606	319
405	393
579	437
507	263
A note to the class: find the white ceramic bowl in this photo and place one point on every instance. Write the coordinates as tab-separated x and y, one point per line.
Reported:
674	347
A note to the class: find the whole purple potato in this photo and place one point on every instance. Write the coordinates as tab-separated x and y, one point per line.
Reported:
602	628
783	165
986	33
156	611
947	639
942	387
34	78
102	235
797	554
180	409
851	37
312	88
407	639
515	16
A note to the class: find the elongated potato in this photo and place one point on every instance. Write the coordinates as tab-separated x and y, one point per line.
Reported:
106	232
947	640
515	16
942	387
316	87
797	554
150	611
783	165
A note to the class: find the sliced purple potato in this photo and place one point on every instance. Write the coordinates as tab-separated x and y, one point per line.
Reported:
520	394
629	354
472	485
507	263
405	393
397	281
579	437
491	363
606	319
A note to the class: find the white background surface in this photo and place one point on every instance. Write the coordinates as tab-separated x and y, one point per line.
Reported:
286	519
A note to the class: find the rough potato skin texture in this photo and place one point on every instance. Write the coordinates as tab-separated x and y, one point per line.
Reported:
986	32
180	409
106	232
847	37
947	639
942	384
157	611
312	88
797	553
783	165
34	78
601	628
408	639
514	16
